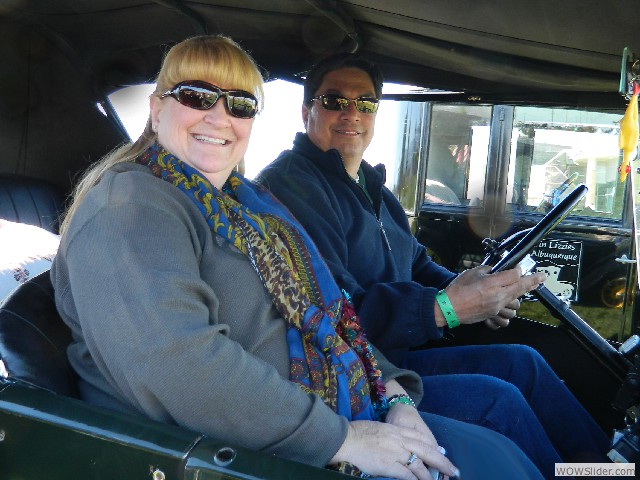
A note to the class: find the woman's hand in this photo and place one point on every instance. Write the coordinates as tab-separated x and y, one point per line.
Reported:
383	449
406	416
477	295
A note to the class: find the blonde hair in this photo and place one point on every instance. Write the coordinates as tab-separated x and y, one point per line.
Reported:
215	59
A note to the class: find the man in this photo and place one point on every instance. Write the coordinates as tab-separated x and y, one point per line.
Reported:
401	295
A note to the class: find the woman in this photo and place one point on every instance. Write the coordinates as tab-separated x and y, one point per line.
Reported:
196	299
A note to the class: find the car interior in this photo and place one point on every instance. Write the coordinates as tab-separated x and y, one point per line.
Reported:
63	58
33	201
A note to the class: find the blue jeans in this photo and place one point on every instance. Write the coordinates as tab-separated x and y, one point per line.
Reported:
510	389
480	453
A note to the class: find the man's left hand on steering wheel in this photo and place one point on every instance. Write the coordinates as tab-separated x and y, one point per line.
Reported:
504	316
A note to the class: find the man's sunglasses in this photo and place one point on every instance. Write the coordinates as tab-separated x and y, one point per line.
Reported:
331	101
203	96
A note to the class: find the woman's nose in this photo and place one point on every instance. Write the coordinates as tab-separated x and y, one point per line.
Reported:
218	113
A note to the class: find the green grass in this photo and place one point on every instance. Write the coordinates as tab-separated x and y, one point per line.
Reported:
606	321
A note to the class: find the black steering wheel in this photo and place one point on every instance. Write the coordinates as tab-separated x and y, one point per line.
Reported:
526	242
538	232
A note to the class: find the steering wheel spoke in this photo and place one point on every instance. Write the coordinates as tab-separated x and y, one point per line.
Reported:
538	232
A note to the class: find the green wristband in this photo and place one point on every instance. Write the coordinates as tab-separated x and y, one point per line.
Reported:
447	309
401	398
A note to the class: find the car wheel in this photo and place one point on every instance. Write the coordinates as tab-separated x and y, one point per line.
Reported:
612	293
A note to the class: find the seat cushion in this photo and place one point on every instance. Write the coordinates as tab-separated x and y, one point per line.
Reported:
31	201
34	339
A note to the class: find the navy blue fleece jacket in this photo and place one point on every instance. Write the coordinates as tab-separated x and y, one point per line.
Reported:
367	243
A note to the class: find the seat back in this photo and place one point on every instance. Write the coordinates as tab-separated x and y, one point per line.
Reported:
31	200
34	339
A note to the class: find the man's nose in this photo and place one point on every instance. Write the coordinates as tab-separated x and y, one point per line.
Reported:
350	111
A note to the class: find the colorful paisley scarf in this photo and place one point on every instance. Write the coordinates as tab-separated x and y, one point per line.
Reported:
329	354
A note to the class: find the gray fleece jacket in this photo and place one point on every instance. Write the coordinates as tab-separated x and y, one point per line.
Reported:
173	323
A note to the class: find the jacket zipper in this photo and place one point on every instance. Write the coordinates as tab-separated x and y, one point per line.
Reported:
375	214
384	234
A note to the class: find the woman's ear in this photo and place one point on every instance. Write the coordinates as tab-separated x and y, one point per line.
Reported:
155	105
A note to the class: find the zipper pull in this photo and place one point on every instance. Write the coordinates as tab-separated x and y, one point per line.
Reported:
384	234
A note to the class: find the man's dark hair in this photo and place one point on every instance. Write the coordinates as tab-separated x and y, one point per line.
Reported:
335	62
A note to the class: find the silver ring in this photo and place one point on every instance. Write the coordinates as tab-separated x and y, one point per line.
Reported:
412	459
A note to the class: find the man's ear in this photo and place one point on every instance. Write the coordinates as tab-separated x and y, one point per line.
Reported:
305	114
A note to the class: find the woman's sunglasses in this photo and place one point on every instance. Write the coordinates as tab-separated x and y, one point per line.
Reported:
331	101
203	96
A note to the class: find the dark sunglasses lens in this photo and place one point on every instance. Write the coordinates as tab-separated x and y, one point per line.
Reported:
367	105
197	98
334	102
242	105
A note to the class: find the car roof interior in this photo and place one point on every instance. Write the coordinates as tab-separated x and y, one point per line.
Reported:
67	55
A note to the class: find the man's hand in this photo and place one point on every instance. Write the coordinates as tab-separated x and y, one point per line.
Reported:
504	315
476	295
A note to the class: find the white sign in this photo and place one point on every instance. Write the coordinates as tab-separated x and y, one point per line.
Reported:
560	260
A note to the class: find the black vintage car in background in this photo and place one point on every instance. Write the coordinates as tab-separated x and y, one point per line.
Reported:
503	112
470	192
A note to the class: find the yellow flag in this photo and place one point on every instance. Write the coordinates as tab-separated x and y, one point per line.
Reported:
628	139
